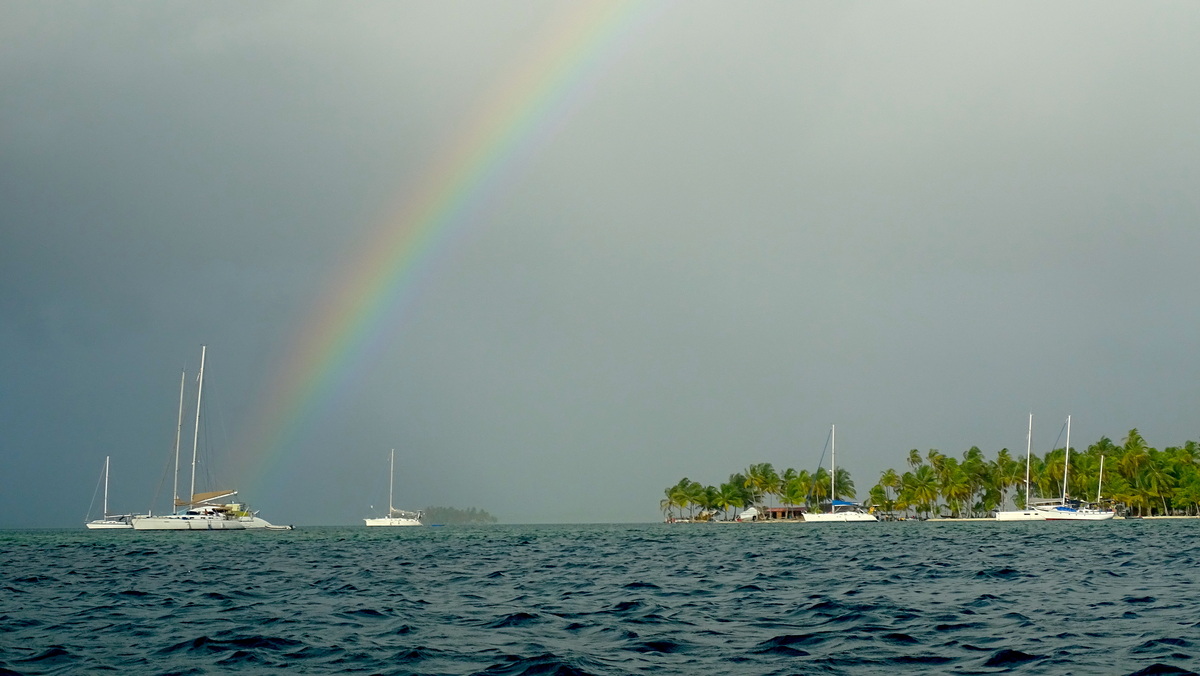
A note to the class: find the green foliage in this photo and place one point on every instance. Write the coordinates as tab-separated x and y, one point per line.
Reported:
1136	476
451	515
754	486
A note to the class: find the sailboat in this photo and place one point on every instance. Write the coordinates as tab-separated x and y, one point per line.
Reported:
1067	509
1029	513
395	517
209	510
110	521
839	510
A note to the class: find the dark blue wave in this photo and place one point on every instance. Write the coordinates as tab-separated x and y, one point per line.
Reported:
649	599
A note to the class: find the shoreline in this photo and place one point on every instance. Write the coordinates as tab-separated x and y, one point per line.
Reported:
985	519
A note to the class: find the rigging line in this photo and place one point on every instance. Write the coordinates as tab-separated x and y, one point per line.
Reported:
93	502
162	479
1061	430
820	461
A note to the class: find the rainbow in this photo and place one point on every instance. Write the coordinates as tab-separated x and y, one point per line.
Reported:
526	108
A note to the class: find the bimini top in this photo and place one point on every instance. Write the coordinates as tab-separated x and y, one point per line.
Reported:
843	503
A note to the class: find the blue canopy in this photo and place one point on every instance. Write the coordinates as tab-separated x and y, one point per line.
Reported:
843	503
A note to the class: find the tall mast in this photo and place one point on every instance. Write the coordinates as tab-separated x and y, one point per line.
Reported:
1100	482
1028	452
178	433
106	486
196	434
1066	460
832	466
391	480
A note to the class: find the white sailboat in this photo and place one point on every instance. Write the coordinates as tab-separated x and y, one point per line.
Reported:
1029	513
840	511
208	510
110	521
395	517
1067	509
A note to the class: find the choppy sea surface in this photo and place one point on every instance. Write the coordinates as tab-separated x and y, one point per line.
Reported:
1118	597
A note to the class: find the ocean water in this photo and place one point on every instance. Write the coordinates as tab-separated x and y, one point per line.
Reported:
1117	597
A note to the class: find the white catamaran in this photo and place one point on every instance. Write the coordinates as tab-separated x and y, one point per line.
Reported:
1067	509
109	521
839	510
202	511
395	517
1029	513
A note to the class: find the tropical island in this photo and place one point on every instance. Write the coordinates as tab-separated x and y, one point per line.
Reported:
453	516
1137	480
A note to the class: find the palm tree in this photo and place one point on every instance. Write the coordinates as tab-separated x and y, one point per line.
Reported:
1046	473
818	488
695	496
732	494
1010	473
676	496
1133	454
771	483
914	458
955	486
795	491
1187	493
746	494
1120	490
762	480
977	469
880	498
843	485
889	479
683	495
935	458
1160	480
1085	474
924	488
708	499
904	494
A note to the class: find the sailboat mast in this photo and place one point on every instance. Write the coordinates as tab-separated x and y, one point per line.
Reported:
1066	460
832	466
1028	454
178	433
391	481
106	486
196	433
1100	482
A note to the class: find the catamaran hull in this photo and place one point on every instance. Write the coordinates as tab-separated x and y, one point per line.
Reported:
385	521
108	525
1078	515
203	523
840	517
1021	515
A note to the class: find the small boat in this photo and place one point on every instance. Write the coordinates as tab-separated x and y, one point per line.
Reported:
840	511
748	514
1067	509
1029	513
395	517
110	521
209	510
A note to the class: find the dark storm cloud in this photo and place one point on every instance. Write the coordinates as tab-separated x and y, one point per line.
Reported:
916	221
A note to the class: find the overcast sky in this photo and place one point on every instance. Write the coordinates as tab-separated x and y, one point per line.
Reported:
918	221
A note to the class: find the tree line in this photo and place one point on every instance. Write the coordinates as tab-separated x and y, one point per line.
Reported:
453	515
750	488
1136	477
